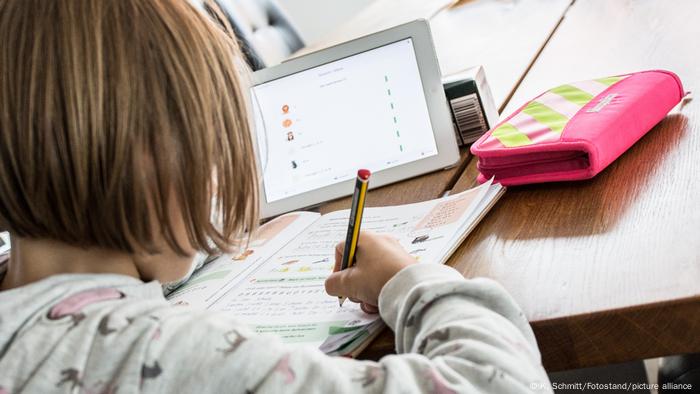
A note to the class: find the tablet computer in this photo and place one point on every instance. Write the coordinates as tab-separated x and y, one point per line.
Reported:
376	102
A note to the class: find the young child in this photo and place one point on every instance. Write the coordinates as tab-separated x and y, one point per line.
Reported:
123	133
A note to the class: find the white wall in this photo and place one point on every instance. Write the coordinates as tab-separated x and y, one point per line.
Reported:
314	18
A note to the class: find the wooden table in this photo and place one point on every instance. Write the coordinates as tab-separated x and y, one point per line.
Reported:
607	270
503	36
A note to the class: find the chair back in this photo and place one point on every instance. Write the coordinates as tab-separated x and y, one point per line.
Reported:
267	36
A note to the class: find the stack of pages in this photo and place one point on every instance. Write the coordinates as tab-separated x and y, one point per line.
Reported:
4	246
277	284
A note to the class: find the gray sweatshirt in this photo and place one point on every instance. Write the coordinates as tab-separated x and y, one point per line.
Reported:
90	333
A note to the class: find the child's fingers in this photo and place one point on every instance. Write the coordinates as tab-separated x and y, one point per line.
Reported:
341	284
369	308
338	255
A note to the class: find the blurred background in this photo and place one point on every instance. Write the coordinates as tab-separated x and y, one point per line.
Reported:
314	18
272	30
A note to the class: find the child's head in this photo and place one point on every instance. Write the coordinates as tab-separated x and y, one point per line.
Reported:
122	126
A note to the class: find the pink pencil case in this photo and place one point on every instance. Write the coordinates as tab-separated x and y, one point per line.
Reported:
574	131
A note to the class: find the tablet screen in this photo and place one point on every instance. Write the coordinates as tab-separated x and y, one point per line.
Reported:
319	126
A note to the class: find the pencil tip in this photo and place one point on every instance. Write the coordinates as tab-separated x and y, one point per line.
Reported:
341	300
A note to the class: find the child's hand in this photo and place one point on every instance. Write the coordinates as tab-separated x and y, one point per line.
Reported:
378	259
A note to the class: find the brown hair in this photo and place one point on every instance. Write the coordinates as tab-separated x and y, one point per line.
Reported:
113	113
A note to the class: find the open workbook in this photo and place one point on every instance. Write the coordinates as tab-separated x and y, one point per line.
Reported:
276	285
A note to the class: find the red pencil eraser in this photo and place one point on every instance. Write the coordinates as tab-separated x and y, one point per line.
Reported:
363	174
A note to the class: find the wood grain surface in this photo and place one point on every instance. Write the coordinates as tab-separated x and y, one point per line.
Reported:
607	270
422	188
503	36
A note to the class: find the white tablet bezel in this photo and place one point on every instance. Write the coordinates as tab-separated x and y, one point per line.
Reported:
440	119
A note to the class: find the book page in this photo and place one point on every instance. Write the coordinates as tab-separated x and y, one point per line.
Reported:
227	270
4	243
426	229
286	296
